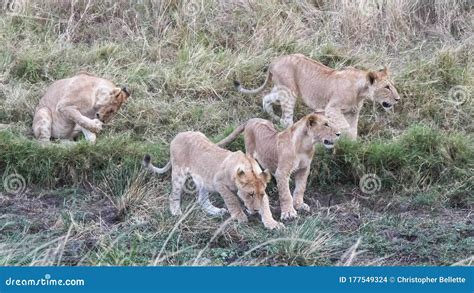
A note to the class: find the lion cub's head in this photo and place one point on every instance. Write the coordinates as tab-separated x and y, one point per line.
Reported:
251	184
384	92
321	130
117	97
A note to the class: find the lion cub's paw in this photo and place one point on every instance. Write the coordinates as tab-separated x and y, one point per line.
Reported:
176	211
241	218
288	215
222	212
96	126
274	225
303	207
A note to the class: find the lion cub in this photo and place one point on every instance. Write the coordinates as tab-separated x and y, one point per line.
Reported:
288	152
214	169
340	93
81	103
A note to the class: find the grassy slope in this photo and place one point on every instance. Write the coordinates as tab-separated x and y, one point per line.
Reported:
92	204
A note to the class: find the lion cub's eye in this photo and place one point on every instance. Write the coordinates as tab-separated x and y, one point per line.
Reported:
326	124
252	194
387	87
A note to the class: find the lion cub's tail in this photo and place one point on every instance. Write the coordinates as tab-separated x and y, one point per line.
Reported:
231	137
243	90
147	164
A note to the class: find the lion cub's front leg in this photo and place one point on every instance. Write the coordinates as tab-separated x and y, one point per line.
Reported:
301	177
71	113
267	217
233	205
286	201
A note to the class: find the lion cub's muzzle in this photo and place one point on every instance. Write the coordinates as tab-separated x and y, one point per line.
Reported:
387	106
97	115
329	143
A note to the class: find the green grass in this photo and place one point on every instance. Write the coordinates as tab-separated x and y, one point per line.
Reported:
94	205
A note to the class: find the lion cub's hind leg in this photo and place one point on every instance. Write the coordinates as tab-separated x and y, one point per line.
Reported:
42	124
287	109
90	136
206	204
267	102
280	96
178	179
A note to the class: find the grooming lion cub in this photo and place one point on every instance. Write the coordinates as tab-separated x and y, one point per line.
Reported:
81	103
214	169
339	93
288	152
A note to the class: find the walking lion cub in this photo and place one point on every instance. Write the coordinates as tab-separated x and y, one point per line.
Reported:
288	152
339	93
214	169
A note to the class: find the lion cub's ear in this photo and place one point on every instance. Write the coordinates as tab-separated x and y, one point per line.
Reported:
116	91
384	71
126	91
120	94
312	120
267	176
240	174
371	76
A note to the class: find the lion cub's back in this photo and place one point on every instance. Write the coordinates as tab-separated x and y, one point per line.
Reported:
261	140
192	148
82	84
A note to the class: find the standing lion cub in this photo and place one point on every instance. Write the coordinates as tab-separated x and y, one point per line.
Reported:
339	93
214	169
81	103
288	152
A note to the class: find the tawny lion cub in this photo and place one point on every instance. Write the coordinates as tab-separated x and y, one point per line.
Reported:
214	169
339	93
288	152
82	103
